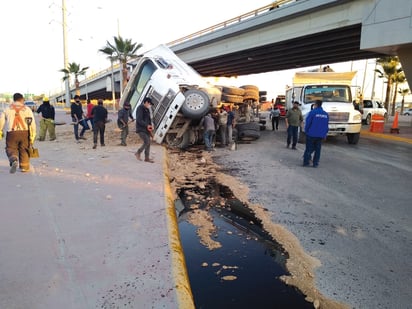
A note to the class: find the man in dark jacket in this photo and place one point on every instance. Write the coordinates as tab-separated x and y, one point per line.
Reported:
47	120
144	128
76	111
316	129
99	113
123	120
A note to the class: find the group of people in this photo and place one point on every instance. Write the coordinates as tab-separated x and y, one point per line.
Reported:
222	122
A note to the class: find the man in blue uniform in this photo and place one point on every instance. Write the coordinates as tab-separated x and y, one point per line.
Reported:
316	129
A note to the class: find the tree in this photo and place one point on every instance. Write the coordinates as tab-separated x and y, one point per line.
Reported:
390	66
403	93
121	50
398	78
74	68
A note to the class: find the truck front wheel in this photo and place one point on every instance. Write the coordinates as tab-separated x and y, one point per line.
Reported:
353	138
196	104
177	142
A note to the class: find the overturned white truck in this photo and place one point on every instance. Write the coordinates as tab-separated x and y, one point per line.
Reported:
336	93
181	97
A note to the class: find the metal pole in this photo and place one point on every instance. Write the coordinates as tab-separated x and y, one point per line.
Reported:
66	61
113	92
364	77
373	83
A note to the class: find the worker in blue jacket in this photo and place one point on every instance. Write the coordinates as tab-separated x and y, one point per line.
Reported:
316	129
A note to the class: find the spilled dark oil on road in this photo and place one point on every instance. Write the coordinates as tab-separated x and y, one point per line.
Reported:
244	270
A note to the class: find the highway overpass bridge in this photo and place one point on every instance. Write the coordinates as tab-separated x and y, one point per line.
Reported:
290	34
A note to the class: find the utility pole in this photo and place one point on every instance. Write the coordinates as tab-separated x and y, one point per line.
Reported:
66	57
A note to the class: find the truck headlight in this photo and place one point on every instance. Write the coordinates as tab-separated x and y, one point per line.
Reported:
357	117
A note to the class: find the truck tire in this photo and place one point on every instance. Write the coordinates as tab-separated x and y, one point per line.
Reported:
233	90
231	98
174	142
249	135
353	138
251	87
368	119
247	126
196	104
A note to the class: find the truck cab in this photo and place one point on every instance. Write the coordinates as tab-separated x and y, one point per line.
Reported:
180	95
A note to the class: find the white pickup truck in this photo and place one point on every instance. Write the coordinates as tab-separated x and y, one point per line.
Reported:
372	107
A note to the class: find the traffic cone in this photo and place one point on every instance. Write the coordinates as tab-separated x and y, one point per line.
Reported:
395	128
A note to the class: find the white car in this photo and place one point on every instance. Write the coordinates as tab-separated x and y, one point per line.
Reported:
407	112
372	107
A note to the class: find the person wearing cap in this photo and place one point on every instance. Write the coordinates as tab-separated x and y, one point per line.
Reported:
316	129
47	114
293	121
123	117
144	128
99	114
18	120
78	116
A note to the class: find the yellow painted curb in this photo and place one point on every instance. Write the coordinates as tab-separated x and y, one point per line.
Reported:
179	270
386	136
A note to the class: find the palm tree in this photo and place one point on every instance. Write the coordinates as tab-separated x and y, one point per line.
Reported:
403	93
121	50
74	68
390	66
398	78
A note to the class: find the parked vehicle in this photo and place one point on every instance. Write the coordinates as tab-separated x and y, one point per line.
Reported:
32	105
280	102
372	107
407	112
335	91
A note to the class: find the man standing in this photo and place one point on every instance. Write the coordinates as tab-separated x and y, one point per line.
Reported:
77	114
316	129
99	113
19	121
274	116
123	120
208	131
230	124
293	121
222	126
47	114
144	128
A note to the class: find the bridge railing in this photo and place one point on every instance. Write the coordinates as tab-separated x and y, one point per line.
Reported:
231	21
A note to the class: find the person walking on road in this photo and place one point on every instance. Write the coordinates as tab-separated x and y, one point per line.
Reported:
47	114
274	116
18	121
144	128
316	129
293	121
99	113
123	117
77	114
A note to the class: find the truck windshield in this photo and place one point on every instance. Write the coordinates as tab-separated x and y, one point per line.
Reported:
139	82
327	93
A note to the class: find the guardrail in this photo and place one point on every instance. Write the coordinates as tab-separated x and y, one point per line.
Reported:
264	9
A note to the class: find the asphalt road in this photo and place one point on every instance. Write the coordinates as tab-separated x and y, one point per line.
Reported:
353	212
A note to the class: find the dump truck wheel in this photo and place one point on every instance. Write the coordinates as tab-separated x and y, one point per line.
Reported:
173	142
196	104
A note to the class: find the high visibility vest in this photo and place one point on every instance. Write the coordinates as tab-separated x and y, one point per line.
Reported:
18	123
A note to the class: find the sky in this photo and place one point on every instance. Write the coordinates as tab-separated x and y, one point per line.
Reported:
32	37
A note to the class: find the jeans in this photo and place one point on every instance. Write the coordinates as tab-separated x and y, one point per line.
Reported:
84	125
208	138
229	134
313	144
292	135
222	134
275	121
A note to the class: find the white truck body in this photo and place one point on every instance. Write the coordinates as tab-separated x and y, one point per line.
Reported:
335	91
181	97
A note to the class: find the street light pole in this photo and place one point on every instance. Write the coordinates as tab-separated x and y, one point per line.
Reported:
66	61
113	90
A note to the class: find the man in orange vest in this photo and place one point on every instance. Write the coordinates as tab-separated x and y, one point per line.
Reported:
15	119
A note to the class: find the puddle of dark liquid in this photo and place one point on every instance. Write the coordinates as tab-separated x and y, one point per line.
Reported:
247	252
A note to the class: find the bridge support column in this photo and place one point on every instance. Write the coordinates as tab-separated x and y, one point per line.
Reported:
405	56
